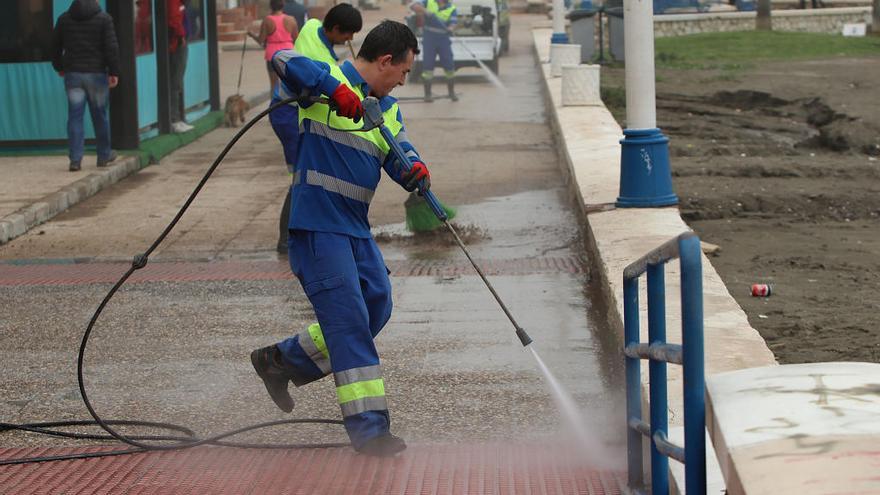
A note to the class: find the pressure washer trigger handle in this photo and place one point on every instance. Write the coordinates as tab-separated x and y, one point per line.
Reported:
373	117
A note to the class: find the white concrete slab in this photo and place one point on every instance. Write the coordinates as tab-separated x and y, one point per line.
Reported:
800	428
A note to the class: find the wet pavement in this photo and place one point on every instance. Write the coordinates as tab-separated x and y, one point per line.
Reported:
176	350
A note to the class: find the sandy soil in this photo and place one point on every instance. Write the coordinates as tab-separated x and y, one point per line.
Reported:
779	165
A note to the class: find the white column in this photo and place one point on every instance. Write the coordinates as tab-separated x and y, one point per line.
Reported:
638	18
559	35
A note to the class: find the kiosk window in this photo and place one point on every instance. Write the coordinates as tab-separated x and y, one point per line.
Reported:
143	26
195	19
26	31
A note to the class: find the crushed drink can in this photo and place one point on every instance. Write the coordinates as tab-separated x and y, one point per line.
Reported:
761	290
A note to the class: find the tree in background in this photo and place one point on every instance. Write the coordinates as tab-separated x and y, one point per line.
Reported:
763	22
875	23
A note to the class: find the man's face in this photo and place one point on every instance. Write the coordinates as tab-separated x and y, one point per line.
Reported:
391	75
337	37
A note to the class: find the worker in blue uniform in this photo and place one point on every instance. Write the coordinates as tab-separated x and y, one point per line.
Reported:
441	17
316	40
331	250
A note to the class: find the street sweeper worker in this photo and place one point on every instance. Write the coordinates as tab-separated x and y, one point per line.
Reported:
441	17
331	250
315	41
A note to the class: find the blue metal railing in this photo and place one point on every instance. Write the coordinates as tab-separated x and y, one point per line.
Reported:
689	354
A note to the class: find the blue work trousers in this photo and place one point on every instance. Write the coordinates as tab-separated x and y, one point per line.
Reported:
346	280
87	88
435	45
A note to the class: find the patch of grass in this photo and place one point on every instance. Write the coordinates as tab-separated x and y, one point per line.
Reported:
613	96
735	51
153	149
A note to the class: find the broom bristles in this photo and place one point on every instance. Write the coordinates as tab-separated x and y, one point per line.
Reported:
420	217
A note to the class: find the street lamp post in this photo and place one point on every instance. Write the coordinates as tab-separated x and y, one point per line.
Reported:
559	35
645	177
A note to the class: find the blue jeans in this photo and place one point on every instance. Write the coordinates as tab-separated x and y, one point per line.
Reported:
83	87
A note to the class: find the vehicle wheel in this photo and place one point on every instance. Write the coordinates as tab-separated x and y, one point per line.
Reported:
505	41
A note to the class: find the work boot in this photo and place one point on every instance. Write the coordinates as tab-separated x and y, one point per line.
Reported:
75	166
267	364
103	163
428	97
386	445
451	85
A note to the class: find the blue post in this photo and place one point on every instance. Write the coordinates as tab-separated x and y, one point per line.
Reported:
633	382
693	362
645	177
559	38
657	372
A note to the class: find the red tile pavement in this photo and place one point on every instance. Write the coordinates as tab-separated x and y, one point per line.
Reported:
498	469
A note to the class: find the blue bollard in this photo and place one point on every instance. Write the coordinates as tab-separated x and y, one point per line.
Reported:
645	178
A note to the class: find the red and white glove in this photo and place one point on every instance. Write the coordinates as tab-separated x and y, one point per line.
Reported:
347	102
418	173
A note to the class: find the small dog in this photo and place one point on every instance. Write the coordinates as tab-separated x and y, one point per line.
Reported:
236	107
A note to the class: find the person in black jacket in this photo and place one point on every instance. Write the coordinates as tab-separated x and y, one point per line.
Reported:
86	54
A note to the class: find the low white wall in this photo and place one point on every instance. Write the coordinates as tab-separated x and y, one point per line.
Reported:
828	21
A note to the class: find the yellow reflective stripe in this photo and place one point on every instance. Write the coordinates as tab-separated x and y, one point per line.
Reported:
318	338
361	390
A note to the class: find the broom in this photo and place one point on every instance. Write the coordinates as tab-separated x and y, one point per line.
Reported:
420	217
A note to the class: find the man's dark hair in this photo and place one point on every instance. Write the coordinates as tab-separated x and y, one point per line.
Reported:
276	5
345	16
389	37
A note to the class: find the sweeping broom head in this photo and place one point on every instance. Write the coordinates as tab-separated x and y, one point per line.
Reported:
420	217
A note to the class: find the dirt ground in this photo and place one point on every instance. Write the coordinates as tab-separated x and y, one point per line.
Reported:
779	165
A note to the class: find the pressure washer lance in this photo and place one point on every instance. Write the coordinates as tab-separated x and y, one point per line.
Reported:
373	119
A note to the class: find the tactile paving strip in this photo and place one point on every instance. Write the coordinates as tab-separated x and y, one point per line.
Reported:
421	470
103	272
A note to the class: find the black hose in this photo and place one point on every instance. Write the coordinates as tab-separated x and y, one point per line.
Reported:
188	438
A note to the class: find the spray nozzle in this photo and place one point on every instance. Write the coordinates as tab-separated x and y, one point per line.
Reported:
523	337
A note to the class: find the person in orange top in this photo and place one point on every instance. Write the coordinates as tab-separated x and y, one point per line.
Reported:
277	32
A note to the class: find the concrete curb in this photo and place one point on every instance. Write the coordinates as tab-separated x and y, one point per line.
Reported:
17	223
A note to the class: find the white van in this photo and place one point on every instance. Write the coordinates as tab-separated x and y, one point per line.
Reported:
476	36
